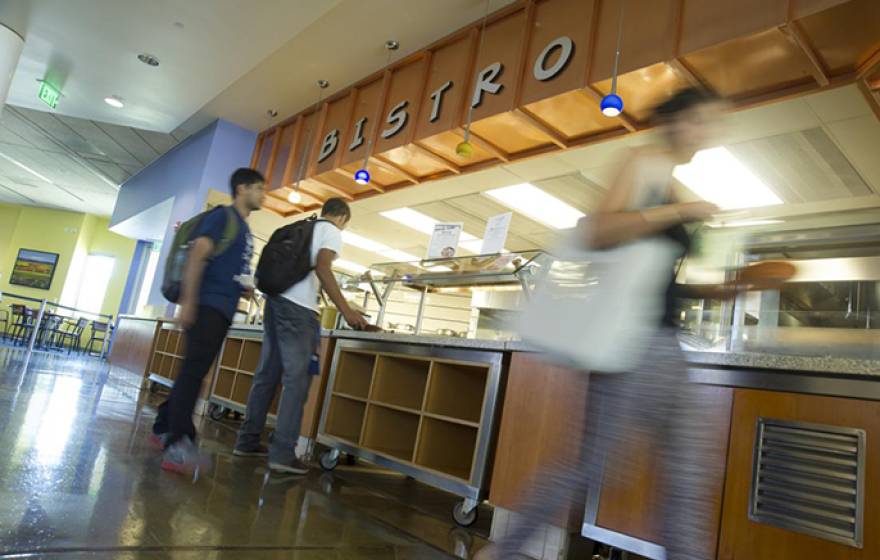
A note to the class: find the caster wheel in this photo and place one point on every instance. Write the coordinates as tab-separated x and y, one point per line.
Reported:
154	387
217	412
464	519
329	460
237	415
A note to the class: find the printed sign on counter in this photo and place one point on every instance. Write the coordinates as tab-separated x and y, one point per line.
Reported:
444	242
496	234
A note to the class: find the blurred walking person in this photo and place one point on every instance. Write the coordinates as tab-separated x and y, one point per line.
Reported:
652	403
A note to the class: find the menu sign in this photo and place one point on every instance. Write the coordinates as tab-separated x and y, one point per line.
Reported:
444	241
496	234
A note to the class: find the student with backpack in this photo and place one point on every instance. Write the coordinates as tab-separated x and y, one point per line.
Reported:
207	272
295	263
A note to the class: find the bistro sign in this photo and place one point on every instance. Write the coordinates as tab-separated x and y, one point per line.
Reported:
486	83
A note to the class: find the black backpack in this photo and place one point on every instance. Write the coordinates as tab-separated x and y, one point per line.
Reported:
287	258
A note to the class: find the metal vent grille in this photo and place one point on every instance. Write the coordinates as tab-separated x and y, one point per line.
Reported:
809	478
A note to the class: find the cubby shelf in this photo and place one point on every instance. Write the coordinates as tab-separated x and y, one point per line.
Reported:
423	411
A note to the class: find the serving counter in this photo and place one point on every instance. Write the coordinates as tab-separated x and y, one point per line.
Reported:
796	453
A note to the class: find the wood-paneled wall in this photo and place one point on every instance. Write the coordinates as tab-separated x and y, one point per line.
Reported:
133	344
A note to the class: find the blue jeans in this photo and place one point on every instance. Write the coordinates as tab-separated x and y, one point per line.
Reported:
291	335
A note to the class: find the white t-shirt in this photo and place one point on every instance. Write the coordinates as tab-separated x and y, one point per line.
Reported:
306	293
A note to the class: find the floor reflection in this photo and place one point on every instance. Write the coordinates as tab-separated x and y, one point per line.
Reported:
79	480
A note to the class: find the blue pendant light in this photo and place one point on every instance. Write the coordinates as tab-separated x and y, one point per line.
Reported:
362	175
612	104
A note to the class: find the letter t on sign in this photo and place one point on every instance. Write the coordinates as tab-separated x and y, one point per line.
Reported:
437	96
485	83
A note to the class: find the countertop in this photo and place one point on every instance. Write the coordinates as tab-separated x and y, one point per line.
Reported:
825	364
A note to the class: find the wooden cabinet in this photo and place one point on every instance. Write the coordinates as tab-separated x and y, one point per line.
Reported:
540	401
743	538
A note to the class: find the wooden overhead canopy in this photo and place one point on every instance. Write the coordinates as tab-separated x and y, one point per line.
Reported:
536	84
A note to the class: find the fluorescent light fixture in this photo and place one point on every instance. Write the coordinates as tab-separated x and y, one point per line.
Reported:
717	176
529	200
350	266
114	101
361	242
425	224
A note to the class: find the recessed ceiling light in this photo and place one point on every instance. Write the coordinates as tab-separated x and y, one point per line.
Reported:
149	59
114	101
529	200
717	176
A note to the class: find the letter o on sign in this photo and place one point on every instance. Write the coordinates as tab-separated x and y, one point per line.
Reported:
566	45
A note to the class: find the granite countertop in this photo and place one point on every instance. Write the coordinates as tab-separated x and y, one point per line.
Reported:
822	364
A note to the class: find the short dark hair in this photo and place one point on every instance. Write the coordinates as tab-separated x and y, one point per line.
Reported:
336	207
681	101
244	176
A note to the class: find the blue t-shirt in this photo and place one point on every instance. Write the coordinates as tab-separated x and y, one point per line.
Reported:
220	287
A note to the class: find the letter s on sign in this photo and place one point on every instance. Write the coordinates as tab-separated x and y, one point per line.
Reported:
397	119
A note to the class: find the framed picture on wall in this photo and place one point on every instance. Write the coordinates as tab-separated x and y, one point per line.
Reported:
34	269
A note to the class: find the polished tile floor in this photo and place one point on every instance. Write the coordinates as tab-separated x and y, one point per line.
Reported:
79	480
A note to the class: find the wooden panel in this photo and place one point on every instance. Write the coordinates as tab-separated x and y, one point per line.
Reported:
539	399
752	65
444	144
266	148
413	161
631	504
366	105
447	447
846	35
448	63
391	432
510	133
133	345
646	36
314	404
709	23
742	538
644	89
407	84
503	41
282	157
804	8
553	19
574	114
338	118
303	145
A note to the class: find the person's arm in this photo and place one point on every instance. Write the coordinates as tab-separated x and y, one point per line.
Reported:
197	257
613	223
324	270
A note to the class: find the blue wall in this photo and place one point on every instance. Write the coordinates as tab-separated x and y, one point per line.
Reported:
175	187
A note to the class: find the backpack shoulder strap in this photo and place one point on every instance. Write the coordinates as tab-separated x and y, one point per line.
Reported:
230	231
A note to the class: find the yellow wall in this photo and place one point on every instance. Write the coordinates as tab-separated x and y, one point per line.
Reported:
8	219
70	235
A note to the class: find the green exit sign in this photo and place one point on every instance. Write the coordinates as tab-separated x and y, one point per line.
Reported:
49	94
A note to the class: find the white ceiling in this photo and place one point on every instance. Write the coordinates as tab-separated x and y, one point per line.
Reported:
344	46
68	163
89	49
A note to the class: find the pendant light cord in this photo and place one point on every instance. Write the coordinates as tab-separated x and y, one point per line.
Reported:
467	127
617	53
391	49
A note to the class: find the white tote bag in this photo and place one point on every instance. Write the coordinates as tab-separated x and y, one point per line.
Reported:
596	310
